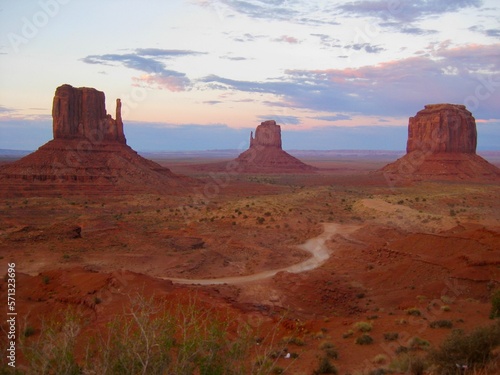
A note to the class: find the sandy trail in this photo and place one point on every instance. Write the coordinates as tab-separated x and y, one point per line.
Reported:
316	246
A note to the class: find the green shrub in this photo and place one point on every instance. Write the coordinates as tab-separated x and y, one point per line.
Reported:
364	340
472	349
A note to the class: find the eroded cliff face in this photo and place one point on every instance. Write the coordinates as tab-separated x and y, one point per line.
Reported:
441	145
267	134
442	128
81	113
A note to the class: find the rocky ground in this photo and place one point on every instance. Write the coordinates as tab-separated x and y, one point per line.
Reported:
430	247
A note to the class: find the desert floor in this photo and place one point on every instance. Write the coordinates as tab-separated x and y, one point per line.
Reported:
381	252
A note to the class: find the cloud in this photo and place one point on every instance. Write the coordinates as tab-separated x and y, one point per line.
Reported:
494	33
247	37
212	102
287	39
281	119
467	75
328	41
148	61
333	118
406	10
235	58
402	15
6	109
367	47
295	11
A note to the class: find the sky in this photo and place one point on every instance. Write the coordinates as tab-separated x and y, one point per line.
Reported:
201	74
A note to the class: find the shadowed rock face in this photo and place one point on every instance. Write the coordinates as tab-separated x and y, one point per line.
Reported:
81	113
442	128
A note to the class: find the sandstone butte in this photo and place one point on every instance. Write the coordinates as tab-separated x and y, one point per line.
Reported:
265	153
442	140
89	154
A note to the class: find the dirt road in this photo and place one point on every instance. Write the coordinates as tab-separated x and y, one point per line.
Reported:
316	246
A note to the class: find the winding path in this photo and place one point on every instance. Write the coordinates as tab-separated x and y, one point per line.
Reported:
316	246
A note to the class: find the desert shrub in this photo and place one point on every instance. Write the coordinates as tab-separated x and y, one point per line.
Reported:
363	326
409	364
348	334
364	340
325	367
330	350
293	340
380	359
473	349
417	343
29	331
391	336
441	324
413	311
495	305
148	338
52	352
445	308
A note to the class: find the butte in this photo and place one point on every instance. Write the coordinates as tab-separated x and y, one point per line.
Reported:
441	145
88	155
265	153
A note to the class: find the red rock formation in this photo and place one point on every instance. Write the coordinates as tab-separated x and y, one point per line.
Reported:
267	134
441	145
81	113
266	155
88	154
442	128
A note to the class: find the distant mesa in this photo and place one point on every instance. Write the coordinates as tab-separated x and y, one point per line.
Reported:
442	140
265	153
89	154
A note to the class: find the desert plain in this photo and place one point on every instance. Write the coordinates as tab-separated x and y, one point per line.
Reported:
396	257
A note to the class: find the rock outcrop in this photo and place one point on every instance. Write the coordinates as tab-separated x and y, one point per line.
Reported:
81	113
265	153
442	128
88	154
441	145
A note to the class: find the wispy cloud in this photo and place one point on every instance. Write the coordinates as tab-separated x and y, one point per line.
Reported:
296	11
287	39
406	10
402	15
235	58
465	75
367	47
150	62
333	118
6	109
328	41
281	119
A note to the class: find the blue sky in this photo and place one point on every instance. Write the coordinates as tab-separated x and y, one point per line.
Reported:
200	74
